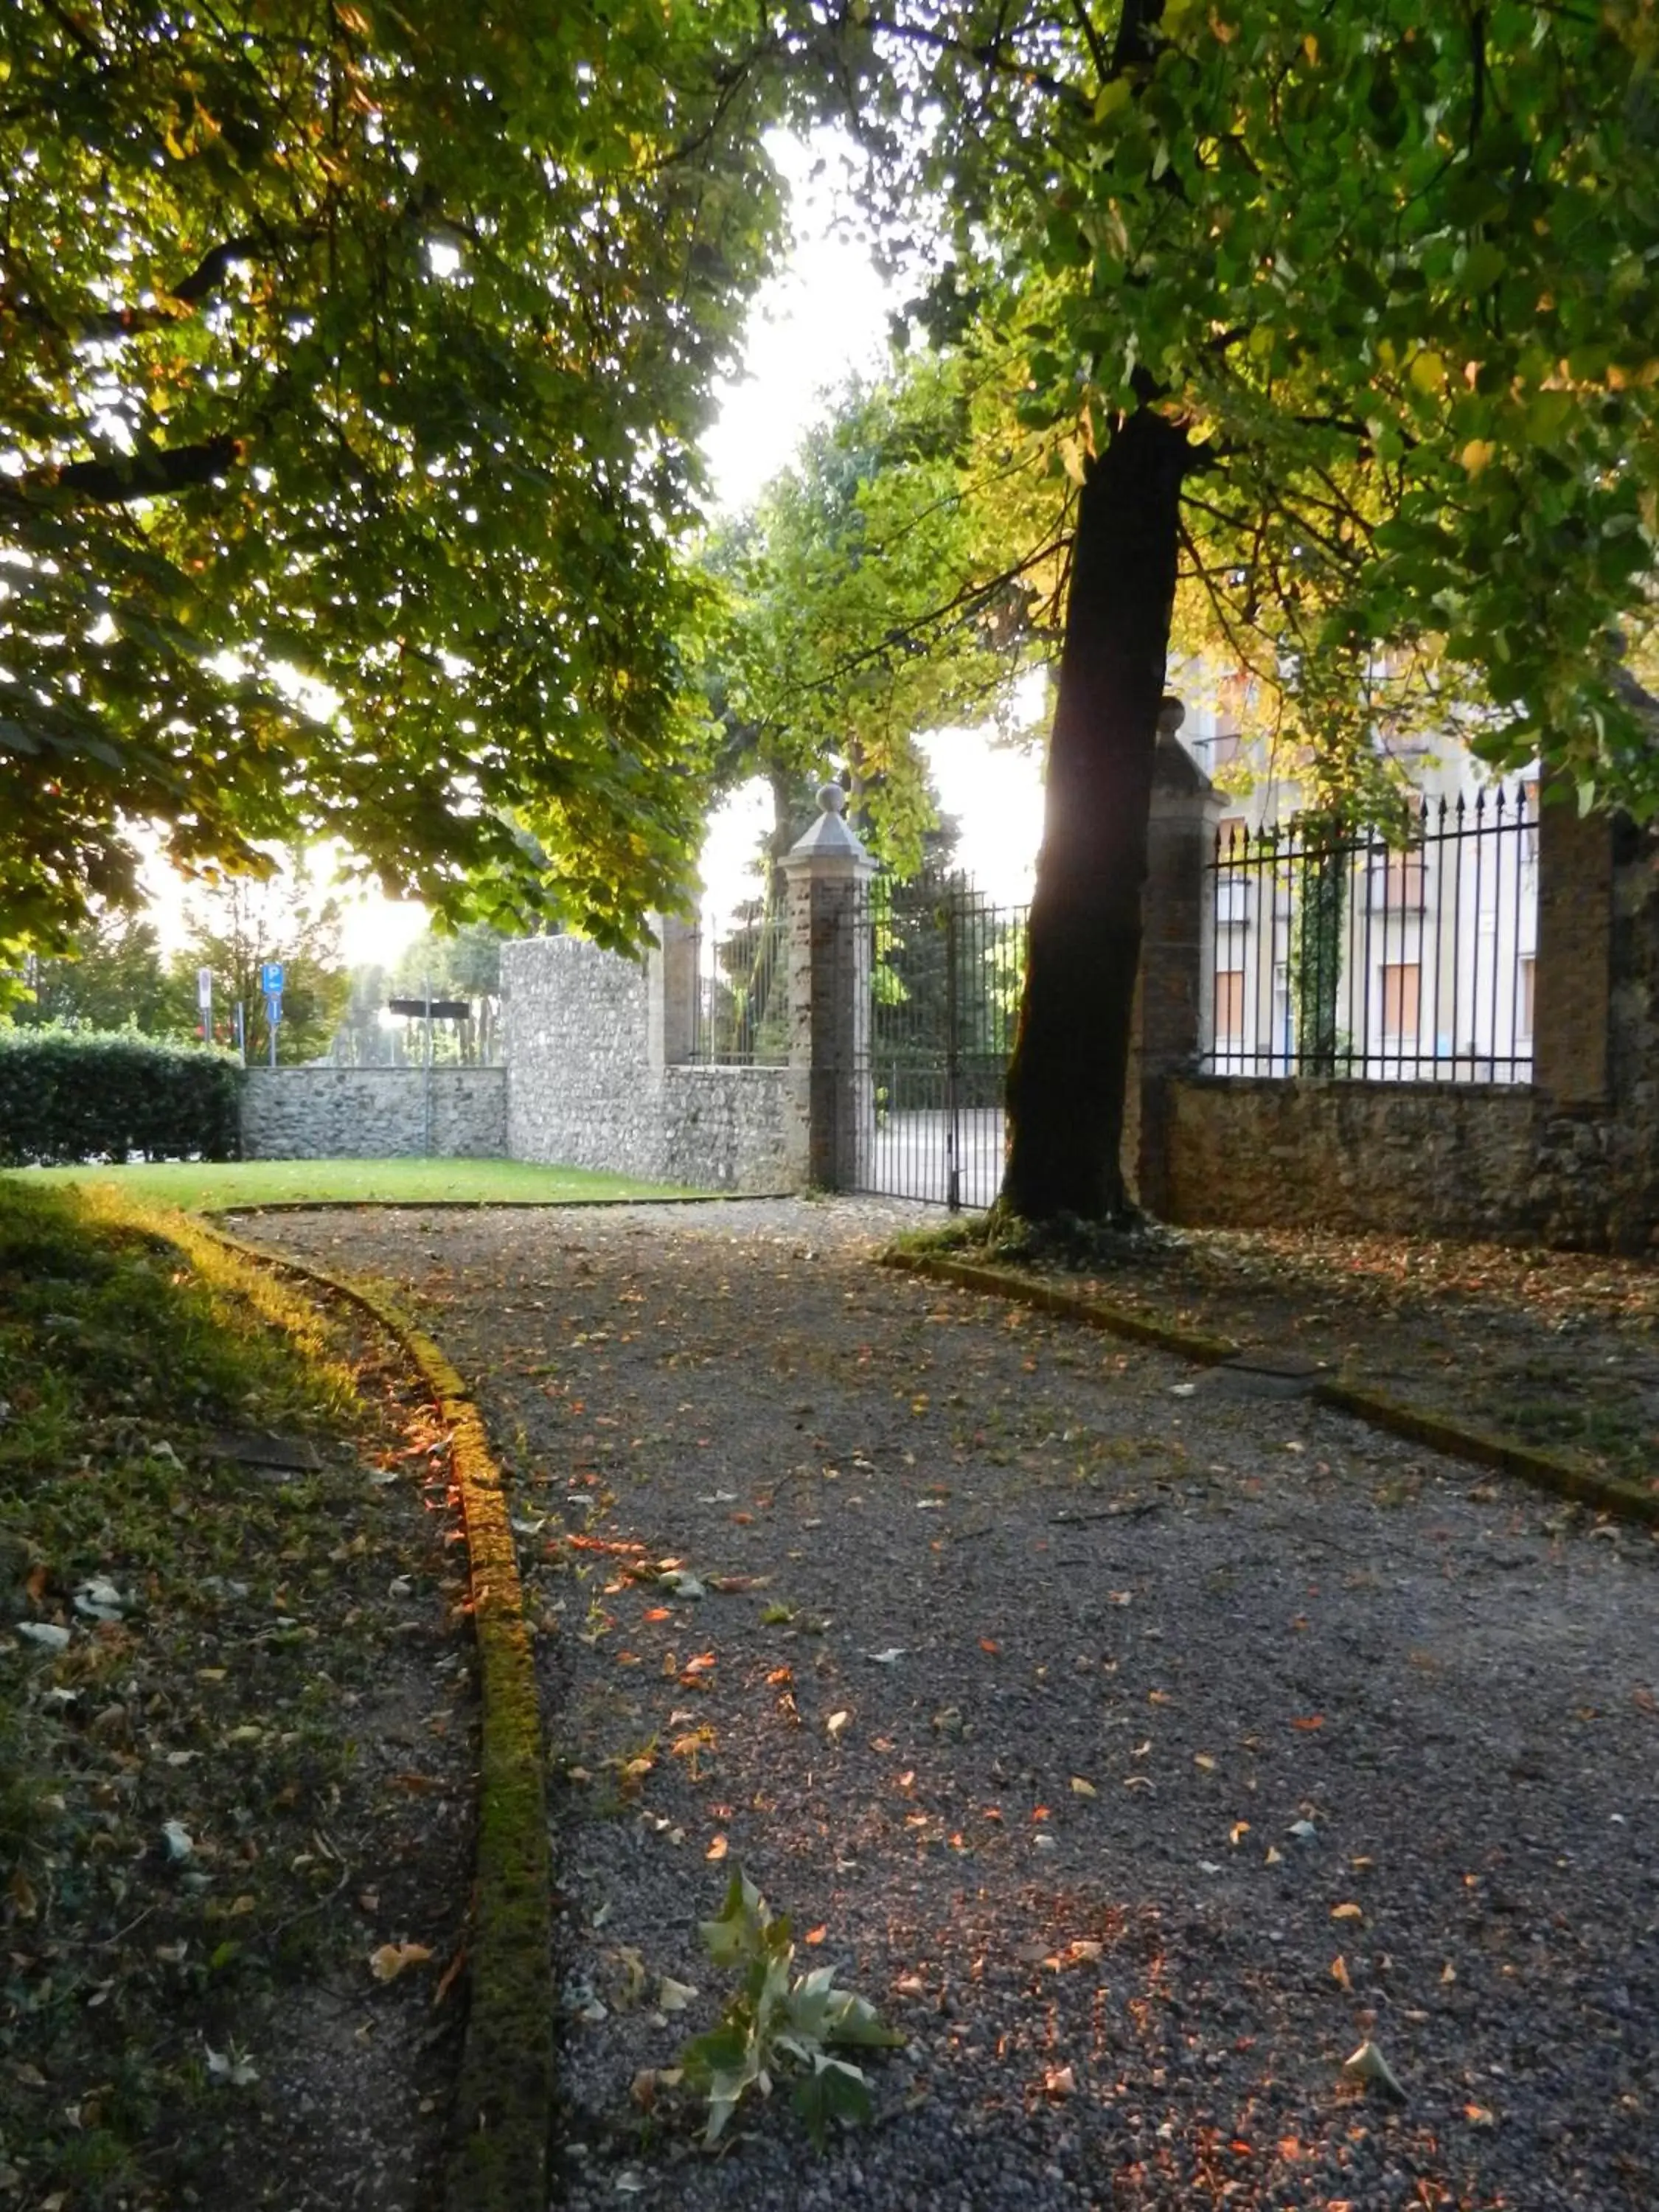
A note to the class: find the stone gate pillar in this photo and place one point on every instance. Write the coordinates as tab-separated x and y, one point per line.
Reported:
1176	957
828	952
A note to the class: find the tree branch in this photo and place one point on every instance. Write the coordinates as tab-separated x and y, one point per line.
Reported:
155	474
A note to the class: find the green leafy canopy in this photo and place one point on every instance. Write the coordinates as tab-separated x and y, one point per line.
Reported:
352	361
1391	267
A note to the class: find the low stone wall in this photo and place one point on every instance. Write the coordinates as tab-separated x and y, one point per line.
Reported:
1430	1159
373	1114
590	1085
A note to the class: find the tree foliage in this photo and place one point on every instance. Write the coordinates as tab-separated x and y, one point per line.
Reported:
869	602
111	976
1390	269
352	360
235	927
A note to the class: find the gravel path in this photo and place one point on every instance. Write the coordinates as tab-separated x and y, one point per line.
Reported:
1222	1733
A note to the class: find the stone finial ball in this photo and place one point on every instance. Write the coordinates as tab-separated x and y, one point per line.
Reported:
1171	713
832	799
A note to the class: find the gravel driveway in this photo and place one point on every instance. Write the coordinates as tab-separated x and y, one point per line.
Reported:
1192	1736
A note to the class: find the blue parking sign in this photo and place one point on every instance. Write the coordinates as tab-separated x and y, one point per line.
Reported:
270	979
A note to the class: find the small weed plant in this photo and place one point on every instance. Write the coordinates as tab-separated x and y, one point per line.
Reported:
780	2025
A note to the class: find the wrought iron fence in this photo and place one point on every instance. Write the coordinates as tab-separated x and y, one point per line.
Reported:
740	1017
1348	955
944	967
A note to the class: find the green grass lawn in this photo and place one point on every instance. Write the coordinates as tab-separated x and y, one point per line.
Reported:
203	1184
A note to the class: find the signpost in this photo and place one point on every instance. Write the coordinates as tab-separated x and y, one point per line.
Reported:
204	1000
270	982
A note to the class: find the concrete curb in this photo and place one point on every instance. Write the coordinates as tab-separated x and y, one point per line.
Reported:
1548	1471
504	2092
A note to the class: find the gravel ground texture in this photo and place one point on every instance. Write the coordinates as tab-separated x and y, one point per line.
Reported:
1141	1740
1555	1349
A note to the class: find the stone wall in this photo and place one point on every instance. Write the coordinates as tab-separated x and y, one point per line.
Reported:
1417	1158
590	1084
373	1114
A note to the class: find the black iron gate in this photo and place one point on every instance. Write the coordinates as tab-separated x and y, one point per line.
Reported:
944	968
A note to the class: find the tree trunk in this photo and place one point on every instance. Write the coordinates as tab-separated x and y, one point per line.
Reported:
1066	1081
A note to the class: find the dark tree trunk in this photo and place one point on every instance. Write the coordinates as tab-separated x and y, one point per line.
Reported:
1066	1082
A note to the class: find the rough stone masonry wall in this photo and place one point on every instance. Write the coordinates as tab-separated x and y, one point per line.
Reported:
1572	1162
1416	1158
373	1113
587	1088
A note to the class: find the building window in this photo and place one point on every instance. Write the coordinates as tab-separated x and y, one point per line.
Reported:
1225	747
1400	981
1230	1005
1525	988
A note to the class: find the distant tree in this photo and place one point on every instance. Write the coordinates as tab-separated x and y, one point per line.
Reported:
458	963
866	606
361	1040
110	977
235	927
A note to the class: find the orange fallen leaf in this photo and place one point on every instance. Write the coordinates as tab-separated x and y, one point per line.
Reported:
700	1665
986	1643
657	1613
391	1960
816	1935
1308	1722
1058	2082
1347	1912
1339	1973
717	1849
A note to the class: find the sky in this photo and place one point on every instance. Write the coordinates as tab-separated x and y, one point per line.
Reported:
823	316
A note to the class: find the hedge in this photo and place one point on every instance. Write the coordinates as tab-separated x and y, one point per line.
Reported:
67	1096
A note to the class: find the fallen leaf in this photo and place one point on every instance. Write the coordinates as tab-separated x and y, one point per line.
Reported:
1348	1911
1339	1973
658	1612
1367	2064
717	1849
1480	2116
673	1996
392	1958
1308	1722
1058	2082
836	1725
1273	1856
988	1643
1203	1759
1082	1789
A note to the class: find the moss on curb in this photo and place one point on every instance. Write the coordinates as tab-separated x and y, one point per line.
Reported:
1550	1471
504	2093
